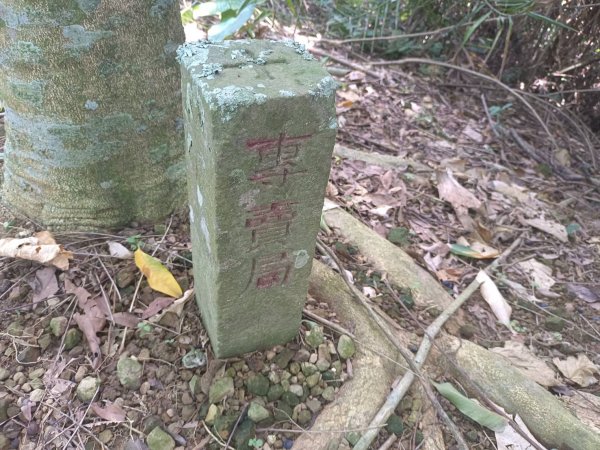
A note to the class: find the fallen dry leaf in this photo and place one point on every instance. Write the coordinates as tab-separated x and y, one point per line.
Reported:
511	190
580	370
473	134
126	319
91	322
520	290
539	273
583	293
369	292
491	294
548	226
110	412
45	284
90	326
159	277
450	190
117	250
157	306
510	439
175	307
41	248
382	211
528	364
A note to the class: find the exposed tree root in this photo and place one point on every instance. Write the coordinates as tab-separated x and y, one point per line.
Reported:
360	398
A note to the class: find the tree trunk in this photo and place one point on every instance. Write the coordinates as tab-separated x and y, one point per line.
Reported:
94	134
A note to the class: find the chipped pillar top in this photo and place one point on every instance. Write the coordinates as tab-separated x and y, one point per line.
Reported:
238	69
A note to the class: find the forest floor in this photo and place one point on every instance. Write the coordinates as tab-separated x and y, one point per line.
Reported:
456	170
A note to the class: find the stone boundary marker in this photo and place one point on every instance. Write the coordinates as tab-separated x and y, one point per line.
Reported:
260	128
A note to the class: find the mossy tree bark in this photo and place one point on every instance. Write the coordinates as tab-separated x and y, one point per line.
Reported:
94	135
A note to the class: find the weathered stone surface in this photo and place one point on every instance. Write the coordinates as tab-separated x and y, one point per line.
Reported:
87	387
129	372
258	385
260	128
346	347
257	412
160	440
220	388
58	325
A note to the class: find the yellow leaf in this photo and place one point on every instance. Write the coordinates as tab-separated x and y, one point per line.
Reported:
159	278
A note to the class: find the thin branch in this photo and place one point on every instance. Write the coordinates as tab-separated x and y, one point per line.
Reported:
404	36
345	62
415	369
493	80
430	333
235	426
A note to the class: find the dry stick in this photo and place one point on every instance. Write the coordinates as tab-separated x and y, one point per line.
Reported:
430	333
345	62
489	116
302	430
389	442
466	378
237	422
328	323
217	439
404	36
112	281
79	423
415	370
493	80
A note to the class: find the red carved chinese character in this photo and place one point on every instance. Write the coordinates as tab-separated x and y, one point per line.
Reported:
270	223
278	157
271	270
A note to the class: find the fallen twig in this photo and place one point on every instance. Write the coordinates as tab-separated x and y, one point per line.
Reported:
474	73
489	116
139	284
237	422
414	372
432	330
345	62
396	37
389	442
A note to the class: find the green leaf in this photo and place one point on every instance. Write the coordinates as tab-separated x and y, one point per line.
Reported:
256	443
474	27
134	241
187	16
228	27
573	228
471	409
292	8
512	7
463	250
550	21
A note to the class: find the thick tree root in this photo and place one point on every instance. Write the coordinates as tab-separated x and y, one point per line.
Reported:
543	413
376	365
400	268
359	398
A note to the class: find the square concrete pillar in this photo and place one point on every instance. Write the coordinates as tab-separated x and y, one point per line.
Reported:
260	128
